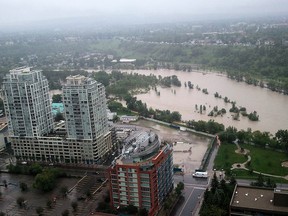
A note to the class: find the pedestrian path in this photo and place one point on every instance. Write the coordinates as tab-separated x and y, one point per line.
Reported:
243	165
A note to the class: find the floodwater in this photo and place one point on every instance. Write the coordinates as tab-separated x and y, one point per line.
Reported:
271	106
188	148
33	197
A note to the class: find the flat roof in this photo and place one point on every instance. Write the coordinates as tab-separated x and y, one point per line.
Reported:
140	146
20	70
245	197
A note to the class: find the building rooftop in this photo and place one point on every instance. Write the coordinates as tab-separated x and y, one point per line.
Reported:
20	70
255	199
139	147
78	80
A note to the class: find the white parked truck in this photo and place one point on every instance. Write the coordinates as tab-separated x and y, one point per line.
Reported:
200	175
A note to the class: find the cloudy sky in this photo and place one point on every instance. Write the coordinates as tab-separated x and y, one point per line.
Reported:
25	11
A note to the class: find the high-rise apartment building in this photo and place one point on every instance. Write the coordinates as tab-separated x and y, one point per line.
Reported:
86	138
143	174
85	108
86	115
27	105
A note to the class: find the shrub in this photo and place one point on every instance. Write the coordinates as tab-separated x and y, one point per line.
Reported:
23	186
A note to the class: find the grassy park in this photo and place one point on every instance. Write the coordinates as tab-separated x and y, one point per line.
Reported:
267	160
227	156
262	160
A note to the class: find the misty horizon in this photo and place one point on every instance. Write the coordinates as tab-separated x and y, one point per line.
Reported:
16	13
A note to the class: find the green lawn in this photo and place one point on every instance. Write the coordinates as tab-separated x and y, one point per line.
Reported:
267	161
226	156
262	160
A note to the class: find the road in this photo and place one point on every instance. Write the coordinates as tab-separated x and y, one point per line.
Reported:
192	193
194	189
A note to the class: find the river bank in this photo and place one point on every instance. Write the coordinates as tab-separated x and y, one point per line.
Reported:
270	106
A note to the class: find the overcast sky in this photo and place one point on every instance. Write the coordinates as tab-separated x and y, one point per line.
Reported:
24	11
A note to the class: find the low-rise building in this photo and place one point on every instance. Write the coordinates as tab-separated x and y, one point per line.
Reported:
258	201
127	119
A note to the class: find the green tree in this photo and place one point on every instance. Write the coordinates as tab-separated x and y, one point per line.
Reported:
57	98
23	186
214	183
45	181
175	116
39	210
102	206
35	169
229	135
102	77
282	139
64	191
253	116
49	204
232	180
58	117
143	212
65	212
5	183
115	106
20	201
88	194
131	209
179	188
259	182
74	205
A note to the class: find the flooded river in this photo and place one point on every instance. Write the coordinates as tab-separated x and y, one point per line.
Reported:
271	106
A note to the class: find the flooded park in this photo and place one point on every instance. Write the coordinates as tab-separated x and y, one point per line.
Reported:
68	190
32	197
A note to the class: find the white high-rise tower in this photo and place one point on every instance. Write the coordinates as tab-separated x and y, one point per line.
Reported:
86	114
85	108
26	101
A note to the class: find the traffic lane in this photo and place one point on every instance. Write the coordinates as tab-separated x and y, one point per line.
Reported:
198	181
192	196
199	193
188	179
193	201
186	193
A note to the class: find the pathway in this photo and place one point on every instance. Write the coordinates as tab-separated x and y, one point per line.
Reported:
243	165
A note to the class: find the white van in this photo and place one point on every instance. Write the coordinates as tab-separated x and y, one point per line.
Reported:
200	175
